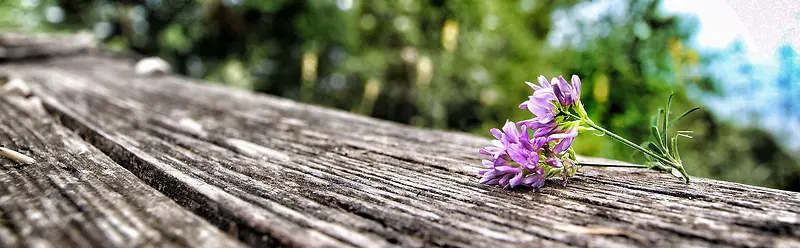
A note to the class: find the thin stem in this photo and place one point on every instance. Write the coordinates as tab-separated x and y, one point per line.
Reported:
629	143
612	165
685	174
671	163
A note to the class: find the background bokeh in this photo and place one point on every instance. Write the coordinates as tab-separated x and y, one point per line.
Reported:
460	65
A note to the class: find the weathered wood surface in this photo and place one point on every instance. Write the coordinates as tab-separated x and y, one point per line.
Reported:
25	46
270	171
76	196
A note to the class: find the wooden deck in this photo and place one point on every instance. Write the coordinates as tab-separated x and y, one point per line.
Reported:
126	160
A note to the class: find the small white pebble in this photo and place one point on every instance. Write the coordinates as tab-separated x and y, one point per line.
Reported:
16	86
152	66
16	156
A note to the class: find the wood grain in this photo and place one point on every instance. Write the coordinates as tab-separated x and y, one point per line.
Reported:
18	46
271	171
76	196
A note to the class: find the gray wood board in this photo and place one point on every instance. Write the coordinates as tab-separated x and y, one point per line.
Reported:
273	171
76	196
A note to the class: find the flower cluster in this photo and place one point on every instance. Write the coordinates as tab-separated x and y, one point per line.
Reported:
525	158
530	151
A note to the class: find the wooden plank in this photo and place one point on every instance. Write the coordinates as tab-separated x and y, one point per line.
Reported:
275	171
18	46
76	196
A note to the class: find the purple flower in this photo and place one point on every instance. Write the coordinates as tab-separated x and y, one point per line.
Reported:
543	105
515	156
540	103
512	145
566	93
510	176
541	129
564	138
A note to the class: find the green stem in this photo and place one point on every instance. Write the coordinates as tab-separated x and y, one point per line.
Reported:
684	174
628	143
637	147
612	165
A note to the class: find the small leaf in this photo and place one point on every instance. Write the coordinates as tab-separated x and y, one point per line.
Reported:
655	148
675	152
666	124
673	121
676	173
656	137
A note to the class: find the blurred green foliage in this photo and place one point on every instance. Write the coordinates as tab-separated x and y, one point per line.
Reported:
439	63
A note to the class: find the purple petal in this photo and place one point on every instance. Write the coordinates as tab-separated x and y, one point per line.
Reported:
553	162
511	131
576	84
545	129
516	180
527	122
543	81
487	176
532	166
524	105
559	94
569	134
535	181
533	86
500	162
493	181
490	150
504	181
500	158
539	142
525	139
563	145
546	117
566	91
507	169
519	156
496	133
498	143
543	96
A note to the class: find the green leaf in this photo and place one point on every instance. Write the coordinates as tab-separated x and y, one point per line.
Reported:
666	124
675	153
673	121
656	138
655	148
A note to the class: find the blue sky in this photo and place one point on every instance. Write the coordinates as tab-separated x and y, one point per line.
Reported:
760	87
762	25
